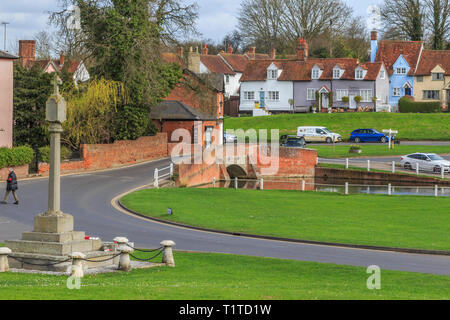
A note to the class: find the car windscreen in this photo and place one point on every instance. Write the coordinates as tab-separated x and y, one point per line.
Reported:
434	157
326	130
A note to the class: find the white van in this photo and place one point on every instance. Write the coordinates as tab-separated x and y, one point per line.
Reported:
318	134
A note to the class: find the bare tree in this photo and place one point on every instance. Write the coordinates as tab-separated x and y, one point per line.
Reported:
403	19
438	21
44	45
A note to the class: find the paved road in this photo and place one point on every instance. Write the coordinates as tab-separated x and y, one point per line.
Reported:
88	198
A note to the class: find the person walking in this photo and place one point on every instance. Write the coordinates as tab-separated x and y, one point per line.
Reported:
11	186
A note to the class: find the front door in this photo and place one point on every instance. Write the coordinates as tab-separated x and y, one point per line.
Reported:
324	101
408	92
448	99
351	101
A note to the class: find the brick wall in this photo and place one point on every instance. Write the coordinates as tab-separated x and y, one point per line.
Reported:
104	156
21	172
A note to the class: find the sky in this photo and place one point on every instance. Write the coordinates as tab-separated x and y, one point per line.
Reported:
216	17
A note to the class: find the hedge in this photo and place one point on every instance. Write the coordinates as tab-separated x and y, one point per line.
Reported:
44	154
14	157
406	105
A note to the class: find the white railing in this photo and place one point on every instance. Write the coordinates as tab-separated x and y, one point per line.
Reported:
159	175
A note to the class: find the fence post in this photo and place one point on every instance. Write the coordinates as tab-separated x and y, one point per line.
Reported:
156	178
235	182
346	188
368	165
261	184
214	182
303	185
4	265
442	172
417	168
125	250
389	189
393	166
346	163
171	170
167	253
436	190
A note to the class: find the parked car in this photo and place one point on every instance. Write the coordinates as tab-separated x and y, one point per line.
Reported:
318	134
369	135
426	161
229	138
291	141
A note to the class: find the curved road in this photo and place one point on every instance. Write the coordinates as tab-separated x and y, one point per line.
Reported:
88	197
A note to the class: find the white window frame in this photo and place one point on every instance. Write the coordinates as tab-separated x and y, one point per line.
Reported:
366	93
401	70
435	76
249	95
315	73
310	91
426	92
336	73
382	74
272	74
399	91
359	74
341	93
227	79
273	95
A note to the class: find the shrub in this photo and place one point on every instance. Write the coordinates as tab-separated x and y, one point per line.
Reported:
358	99
345	99
44	154
17	156
407	105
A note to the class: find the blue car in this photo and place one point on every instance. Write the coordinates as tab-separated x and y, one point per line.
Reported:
369	135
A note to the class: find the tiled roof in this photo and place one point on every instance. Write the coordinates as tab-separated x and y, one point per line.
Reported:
237	61
389	51
7	55
170	57
430	59
176	110
215	64
294	70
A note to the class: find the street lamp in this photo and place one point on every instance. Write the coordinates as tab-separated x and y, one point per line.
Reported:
4	38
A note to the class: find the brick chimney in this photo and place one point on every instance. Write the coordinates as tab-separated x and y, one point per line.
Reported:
302	51
374	35
27	51
194	60
273	54
373	45
180	51
205	50
251	52
230	48
62	58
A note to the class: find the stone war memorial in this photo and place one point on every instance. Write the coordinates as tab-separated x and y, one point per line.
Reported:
53	244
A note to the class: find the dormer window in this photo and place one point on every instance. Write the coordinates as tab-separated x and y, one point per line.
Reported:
359	74
437	76
272	74
401	70
336	73
315	73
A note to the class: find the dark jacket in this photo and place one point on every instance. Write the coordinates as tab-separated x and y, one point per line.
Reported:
11	183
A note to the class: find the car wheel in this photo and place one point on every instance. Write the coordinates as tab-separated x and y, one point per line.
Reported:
437	169
407	166
383	140
357	140
329	140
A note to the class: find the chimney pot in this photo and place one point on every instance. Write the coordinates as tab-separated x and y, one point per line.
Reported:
205	50
230	49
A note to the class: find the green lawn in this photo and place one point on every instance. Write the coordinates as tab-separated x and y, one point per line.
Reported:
200	276
341	151
411	126
396	221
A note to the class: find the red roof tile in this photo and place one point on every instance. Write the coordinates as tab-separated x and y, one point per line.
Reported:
215	64
170	57
430	59
389	51
237	61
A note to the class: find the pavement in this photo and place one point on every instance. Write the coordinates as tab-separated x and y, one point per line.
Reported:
88	198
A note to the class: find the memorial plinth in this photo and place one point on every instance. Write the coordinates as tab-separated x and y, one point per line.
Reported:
53	240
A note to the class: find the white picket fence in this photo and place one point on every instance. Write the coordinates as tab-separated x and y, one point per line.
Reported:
160	175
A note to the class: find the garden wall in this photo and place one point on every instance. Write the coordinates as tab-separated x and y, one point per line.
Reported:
21	172
119	153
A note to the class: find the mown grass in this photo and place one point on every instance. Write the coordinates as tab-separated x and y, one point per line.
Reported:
342	151
207	276
394	221
411	126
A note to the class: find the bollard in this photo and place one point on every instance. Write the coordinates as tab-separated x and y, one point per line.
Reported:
303	185
4	265
77	264
167	253
346	163
393	166
390	189
417	168
125	250
436	190
346	188
156	178
261	184
368	165
235	182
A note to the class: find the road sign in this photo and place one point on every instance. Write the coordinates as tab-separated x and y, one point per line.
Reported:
391	133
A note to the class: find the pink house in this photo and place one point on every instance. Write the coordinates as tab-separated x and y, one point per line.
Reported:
6	98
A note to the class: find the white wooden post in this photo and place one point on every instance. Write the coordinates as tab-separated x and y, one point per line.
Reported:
389	189
303	185
393	166
368	165
156	178
261	184
346	188
436	190
346	163
442	172
235	182
171	170
417	168
214	182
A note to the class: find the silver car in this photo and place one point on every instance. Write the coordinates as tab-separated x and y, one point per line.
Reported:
426	161
229	138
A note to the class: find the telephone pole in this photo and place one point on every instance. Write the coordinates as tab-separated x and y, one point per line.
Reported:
4	37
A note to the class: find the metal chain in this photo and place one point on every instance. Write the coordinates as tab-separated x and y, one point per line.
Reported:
148	258
141	250
111	258
40	264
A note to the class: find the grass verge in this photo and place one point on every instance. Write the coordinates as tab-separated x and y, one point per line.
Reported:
341	151
379	220
201	276
411	126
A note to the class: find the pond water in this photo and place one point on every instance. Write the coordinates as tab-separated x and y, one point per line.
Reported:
355	186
